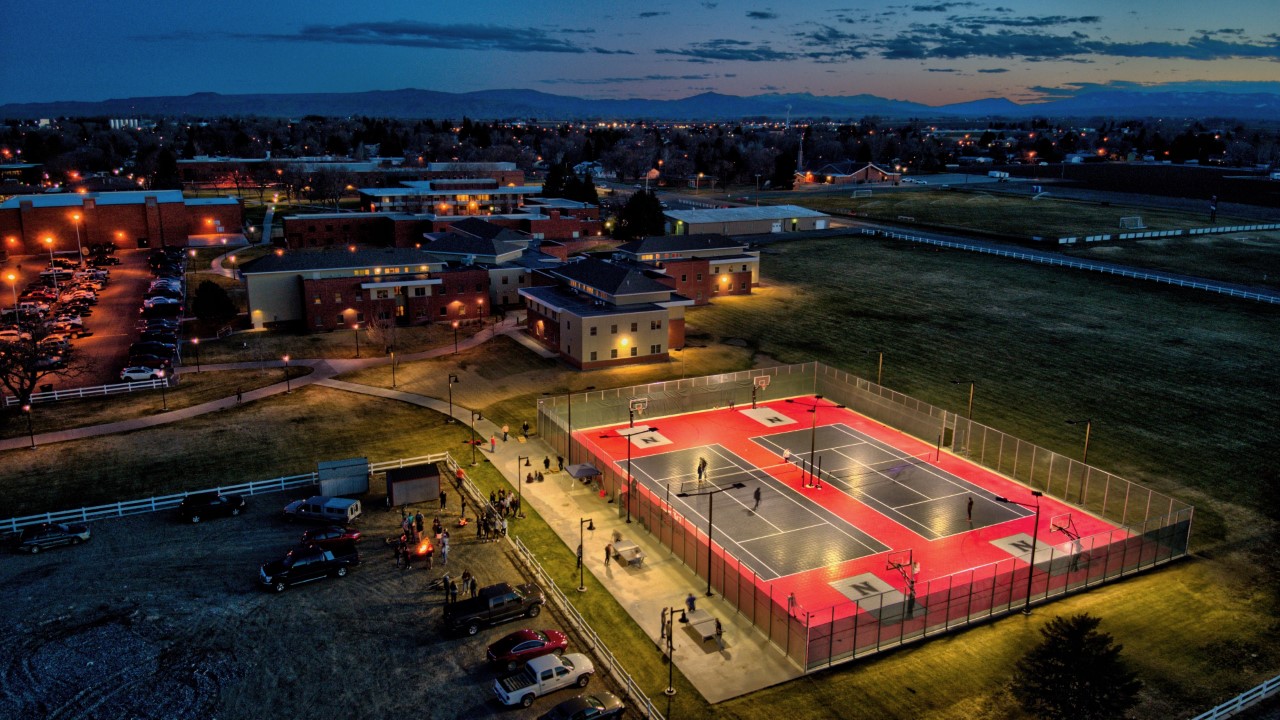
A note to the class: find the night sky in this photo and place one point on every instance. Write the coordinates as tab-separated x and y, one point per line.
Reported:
930	52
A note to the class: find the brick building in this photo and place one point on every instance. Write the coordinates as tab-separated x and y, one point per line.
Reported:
700	267
595	313
448	196
140	218
746	220
337	288
848	173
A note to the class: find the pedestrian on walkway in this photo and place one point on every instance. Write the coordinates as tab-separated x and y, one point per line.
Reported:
239	396
453	591
525	428
546	463
444	549
399	552
466	578
719	634
462	514
691	602
756	495
791	604
431	551
443	498
540	478
608	555
504	432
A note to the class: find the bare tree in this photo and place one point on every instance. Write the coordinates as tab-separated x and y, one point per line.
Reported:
25	362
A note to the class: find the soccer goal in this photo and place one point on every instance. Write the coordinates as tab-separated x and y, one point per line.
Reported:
1132	222
860	194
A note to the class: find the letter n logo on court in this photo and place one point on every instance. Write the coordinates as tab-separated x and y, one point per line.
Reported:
865	588
1021	546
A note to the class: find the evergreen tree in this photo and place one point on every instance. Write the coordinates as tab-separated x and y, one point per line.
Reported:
1075	673
211	302
640	217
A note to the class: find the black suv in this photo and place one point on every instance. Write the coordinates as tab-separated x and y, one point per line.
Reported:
48	535
198	506
309	562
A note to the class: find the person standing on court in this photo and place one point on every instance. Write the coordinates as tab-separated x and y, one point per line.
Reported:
969	510
756	495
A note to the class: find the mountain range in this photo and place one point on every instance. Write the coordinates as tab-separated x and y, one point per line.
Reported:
527	104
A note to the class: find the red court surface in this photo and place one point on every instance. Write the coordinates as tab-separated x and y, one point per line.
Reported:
883	491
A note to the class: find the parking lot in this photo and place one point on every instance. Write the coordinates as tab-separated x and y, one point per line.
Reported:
155	618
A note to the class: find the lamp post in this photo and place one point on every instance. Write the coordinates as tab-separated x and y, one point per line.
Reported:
971	384
164	383
452	379
1035	536
355	329
711	509
287	387
48	240
475	415
631	483
879	364
520	485
697	181
813	433
582	586
1088	427
668	619
31	433
455	337
195	345
569	412
757	189
75	220
13	286
393	369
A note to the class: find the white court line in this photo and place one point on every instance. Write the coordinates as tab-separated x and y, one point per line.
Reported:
784	532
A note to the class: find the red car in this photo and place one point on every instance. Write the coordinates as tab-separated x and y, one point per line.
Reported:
515	649
328	535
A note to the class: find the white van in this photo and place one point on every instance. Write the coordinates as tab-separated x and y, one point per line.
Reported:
336	510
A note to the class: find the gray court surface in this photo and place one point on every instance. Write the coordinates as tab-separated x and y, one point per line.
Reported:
921	497
787	534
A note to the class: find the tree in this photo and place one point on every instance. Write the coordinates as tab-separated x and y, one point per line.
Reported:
642	216
25	362
211	302
1075	673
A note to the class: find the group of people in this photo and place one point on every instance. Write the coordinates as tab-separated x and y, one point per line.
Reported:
490	526
411	536
504	503
466	584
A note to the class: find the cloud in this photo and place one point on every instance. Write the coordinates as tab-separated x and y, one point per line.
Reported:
762	15
624	80
710	5
940	7
1073	89
723	49
406	33
942	70
1203	47
979	22
993	70
652	13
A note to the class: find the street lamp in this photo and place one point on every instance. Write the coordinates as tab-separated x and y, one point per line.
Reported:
697	181
711	509
195	345
287	387
813	435
164	383
355	329
582	586
520	485
1088	426
455	337
631	483
48	240
452	379
971	384
1035	536
879	364
668	619
75	220
13	285
475	415
757	189
26	408
393	369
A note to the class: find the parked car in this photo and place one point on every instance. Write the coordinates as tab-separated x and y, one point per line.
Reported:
156	300
138	373
308	563
153	347
150	361
324	509
599	705
542	676
495	604
519	647
35	538
198	506
333	534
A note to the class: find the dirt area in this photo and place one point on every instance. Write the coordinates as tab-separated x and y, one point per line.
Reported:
155	618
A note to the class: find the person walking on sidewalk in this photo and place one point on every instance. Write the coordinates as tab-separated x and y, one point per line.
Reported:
493	443
608	555
525	429
505	428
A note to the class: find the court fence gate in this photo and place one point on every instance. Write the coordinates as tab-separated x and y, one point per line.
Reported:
1152	528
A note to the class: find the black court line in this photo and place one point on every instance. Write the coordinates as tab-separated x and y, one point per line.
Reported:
915	494
787	534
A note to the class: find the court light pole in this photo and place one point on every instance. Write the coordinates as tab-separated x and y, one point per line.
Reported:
1035	536
31	433
971	384
757	189
520	484
13	286
393	369
631	483
879	364
711	510
1088	427
452	379
582	585
355	329
569	404
669	618
75	220
813	432
48	240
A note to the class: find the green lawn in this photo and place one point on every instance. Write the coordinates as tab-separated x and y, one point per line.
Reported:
1250	258
274	344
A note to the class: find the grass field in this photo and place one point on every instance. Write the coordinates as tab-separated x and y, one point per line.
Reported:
1007	215
274	344
1249	258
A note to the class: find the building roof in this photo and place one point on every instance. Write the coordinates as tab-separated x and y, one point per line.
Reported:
126	197
470	166
478	227
452	243
560	203
424	188
211	201
336	259
609	278
680	243
566	300
743	214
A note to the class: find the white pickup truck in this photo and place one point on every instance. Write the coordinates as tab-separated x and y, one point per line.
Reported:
543	675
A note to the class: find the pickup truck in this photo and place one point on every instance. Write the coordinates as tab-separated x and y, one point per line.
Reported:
543	675
495	604
306	563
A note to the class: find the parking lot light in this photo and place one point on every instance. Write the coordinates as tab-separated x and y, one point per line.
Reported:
26	408
164	383
287	387
195	345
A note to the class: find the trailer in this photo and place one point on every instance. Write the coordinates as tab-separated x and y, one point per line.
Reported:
343	477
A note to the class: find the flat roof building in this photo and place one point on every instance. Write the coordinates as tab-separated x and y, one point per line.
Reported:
746	220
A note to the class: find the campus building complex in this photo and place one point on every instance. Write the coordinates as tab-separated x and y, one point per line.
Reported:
699	267
760	220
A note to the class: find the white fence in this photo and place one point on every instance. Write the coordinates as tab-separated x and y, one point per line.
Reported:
95	391
1048	259
1243	701
1215	230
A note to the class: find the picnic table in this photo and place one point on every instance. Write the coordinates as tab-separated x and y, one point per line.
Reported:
703	623
628	552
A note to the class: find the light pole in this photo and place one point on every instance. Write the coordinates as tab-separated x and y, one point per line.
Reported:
13	286
48	240
1088	426
711	509
1035	535
971	384
757	189
631	483
668	619
475	415
355	329
195	345
452	379
520	485
455	337
696	183
879	364
164	383
582	586
569	412
287	387
393	369
813	434
26	408
75	220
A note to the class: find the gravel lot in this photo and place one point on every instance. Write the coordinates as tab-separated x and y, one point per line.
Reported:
154	618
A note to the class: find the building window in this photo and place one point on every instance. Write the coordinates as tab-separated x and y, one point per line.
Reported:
699	277
357	297
655	349
317	300
613	329
359	317
613	353
505	280
337	297
383	294
684	278
444	311
593	356
419	292
744	286
635	327
319	322
479	287
341	321
716	270
744	268
655	324
520	278
462	309
593	331
635	351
